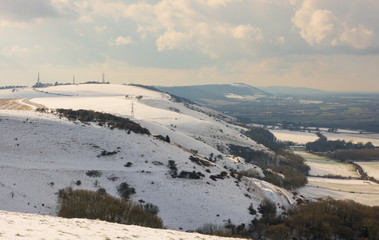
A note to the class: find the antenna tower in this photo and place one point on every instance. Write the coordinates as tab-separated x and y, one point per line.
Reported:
73	79
38	78
132	113
103	78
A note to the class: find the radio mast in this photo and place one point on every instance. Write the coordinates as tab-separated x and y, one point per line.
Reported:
132	113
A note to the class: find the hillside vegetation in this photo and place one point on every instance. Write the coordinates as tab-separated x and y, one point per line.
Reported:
286	169
103	119
322	144
100	205
356	155
324	219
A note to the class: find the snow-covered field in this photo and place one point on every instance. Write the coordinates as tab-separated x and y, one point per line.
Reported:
41	153
304	137
371	168
361	191
322	166
35	227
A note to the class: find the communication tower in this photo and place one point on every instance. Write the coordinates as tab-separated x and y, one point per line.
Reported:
132	113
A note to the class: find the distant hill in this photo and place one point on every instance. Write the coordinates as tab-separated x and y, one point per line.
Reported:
293	91
238	91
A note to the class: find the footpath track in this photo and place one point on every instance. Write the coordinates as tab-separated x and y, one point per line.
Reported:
18	104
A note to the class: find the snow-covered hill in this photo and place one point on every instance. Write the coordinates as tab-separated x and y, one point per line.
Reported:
31	226
41	153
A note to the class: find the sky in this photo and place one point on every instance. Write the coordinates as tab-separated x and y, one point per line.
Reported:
323	44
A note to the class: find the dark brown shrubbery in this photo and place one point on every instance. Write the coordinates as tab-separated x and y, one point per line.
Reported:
356	155
100	205
93	173
200	161
103	119
290	165
125	190
322	144
325	219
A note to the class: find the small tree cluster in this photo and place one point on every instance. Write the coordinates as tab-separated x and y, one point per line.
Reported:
162	138
125	190
103	119
100	205
93	173
200	161
190	175
322	144
220	176
173	168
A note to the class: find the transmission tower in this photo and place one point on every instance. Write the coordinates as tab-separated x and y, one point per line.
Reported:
132	113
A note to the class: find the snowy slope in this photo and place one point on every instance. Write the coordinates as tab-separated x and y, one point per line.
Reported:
41	153
30	226
150	107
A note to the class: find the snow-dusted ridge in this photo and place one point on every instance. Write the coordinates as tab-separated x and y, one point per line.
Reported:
31	226
41	153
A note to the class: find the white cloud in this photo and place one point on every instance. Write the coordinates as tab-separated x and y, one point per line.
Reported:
141	12
173	40
359	37
178	25
247	32
316	25
322	22
122	41
217	3
85	19
100	28
15	50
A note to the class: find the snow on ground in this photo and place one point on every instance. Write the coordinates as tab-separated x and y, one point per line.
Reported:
150	107
304	137
294	136
355	138
20	93
41	153
39	157
371	168
322	166
361	191
31	226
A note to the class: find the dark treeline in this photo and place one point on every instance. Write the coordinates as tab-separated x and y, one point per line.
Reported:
103	119
322	220
264	137
286	164
322	144
355	155
11	87
100	205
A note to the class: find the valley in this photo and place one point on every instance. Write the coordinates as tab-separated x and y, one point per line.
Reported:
330	178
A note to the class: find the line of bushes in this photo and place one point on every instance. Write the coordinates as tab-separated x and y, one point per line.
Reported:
103	119
355	155
100	205
322	144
